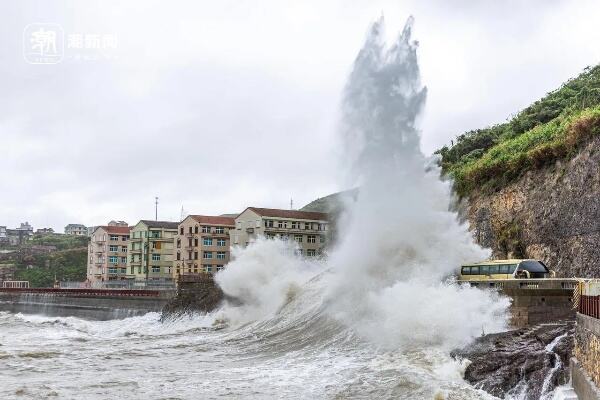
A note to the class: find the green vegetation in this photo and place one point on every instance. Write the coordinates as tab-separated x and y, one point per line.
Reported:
550	129
62	242
40	270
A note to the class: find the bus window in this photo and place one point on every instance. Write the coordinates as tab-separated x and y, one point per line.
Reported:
466	270
484	270
504	269
474	270
512	268
536	269
493	269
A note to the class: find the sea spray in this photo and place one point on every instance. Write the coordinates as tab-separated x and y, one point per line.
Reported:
401	241
263	277
388	277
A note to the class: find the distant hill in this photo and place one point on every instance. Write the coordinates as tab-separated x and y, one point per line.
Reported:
332	203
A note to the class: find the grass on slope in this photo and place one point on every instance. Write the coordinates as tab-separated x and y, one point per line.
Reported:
550	129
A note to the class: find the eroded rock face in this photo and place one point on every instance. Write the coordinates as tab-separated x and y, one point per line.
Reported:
524	363
552	214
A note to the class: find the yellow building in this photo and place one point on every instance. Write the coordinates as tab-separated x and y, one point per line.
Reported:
202	244
151	251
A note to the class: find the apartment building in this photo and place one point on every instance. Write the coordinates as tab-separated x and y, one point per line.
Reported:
151	251
307	229
202	244
76	229
107	254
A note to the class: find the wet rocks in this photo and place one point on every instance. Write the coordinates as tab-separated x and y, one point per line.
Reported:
526	362
195	294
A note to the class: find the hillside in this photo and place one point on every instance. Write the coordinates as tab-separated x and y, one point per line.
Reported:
49	256
530	186
553	128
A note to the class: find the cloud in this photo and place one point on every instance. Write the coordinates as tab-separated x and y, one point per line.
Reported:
219	105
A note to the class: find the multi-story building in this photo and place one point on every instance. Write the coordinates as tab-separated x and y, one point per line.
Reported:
3	235
151	251
308	229
44	231
76	229
107	254
202	244
20	235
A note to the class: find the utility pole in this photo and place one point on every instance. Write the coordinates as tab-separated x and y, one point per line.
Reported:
156	208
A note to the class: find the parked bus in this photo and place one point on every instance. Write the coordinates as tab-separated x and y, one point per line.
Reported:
505	269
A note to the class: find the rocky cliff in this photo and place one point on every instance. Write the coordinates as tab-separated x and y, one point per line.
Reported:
552	214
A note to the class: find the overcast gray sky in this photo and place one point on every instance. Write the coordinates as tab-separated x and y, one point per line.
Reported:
218	105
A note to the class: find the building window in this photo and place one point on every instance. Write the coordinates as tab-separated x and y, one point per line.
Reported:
113	259
178	243
125	238
207	255
270	235
155	269
307	225
196	229
112	270
298	238
155	234
196	242
195	255
206	229
207	241
220	230
178	256
221	242
238	225
123	260
124	249
295	225
190	229
208	268
155	257
114	237
181	230
311	239
113	248
298	252
220	255
219	268
268	223
322	239
311	252
236	239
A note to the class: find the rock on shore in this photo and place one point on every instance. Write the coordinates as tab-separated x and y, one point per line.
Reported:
525	363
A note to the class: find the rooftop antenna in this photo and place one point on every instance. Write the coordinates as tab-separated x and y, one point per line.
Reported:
156	208
291	204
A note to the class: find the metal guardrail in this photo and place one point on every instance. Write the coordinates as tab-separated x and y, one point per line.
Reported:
85	292
590	306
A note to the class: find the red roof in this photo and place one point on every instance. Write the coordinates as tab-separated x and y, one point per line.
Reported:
273	212
205	219
118	230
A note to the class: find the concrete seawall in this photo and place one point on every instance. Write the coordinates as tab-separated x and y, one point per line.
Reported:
585	365
106	306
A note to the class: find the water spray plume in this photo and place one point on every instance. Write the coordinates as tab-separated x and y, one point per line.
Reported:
399	242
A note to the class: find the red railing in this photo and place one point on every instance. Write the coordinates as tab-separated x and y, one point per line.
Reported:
85	292
589	305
